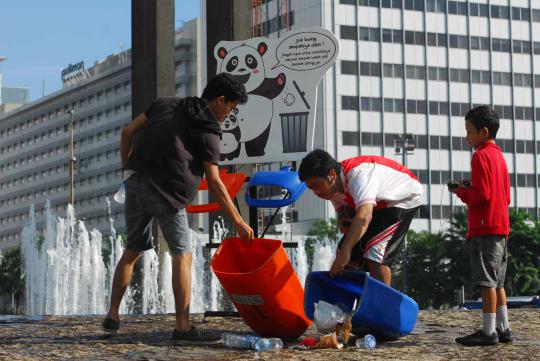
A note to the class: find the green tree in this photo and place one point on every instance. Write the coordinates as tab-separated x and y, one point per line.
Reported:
431	272
12	277
523	272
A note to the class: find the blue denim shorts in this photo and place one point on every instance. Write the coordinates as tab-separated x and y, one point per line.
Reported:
144	204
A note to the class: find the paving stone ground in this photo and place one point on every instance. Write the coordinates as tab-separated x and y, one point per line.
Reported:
148	338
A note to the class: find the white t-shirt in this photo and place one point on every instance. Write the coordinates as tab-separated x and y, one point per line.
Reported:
377	180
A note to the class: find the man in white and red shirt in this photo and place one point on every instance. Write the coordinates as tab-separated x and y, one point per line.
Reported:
375	198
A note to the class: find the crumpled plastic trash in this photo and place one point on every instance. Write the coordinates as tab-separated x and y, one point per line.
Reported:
327	317
334	319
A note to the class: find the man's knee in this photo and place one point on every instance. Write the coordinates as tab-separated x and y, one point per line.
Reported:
130	256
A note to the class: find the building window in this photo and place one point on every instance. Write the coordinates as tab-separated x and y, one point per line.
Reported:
348	32
349	67
349	102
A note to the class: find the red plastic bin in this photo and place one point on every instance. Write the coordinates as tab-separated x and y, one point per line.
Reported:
263	286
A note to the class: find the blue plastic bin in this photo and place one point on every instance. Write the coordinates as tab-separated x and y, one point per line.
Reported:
284	178
382	309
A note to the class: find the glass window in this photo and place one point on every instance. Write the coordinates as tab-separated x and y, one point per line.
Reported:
376	104
398	37
388	105
387	35
476	76
516	14
387	70
536	15
349	32
432	73
409	37
399	106
419	38
433	108
375	69
434	142
475	43
443	74
365	69
525	47
364	34
411	106
398	71
374	35
349	67
410	71
473	8
504	12
432	39
453	41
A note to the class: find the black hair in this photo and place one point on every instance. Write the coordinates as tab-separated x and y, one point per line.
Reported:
484	116
227	85
317	163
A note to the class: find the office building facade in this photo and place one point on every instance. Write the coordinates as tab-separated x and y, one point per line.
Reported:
411	69
35	142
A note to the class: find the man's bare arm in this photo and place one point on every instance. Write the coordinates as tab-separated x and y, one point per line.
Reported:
127	135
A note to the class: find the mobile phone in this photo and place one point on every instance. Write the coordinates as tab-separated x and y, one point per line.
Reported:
452	184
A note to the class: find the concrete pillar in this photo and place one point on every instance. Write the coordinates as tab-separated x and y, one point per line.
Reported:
152	52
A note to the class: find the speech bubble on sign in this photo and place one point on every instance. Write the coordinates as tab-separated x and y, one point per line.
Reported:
305	51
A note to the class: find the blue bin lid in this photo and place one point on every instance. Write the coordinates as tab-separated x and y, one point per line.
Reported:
284	178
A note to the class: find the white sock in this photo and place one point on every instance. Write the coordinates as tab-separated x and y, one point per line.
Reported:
489	323
502	318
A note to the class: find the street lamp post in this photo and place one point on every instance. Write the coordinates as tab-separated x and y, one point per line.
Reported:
71	159
2	58
403	146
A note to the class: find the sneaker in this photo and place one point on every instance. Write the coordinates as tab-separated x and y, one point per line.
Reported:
479	338
505	336
196	334
110	325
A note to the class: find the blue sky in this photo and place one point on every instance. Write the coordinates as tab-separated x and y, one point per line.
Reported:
40	37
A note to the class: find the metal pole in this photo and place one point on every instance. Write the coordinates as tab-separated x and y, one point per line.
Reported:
71	160
405	254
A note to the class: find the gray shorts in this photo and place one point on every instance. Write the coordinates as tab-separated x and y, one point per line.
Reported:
143	204
489	256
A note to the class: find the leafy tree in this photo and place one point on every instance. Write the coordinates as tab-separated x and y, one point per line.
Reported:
523	272
12	277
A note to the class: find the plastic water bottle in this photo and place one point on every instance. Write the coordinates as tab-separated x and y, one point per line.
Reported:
238	341
368	342
120	196
267	344
256	343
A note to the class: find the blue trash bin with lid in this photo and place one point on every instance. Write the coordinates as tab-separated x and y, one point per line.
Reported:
381	309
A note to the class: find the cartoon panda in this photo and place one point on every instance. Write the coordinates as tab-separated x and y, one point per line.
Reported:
249	123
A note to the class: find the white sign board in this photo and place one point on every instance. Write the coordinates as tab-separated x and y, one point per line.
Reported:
280	75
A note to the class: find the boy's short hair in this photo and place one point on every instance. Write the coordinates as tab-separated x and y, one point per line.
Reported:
227	85
484	116
317	163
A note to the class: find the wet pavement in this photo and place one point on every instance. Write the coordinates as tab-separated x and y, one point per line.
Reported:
148	338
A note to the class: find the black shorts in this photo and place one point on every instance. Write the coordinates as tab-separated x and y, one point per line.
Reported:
383	238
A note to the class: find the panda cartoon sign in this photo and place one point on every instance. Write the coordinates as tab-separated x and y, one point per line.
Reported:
280	76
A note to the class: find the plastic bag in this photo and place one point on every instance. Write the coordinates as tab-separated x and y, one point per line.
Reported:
334	318
327	317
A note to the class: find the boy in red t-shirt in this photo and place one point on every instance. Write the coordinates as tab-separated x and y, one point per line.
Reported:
487	196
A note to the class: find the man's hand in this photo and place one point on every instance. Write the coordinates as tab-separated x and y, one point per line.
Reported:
343	258
245	232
